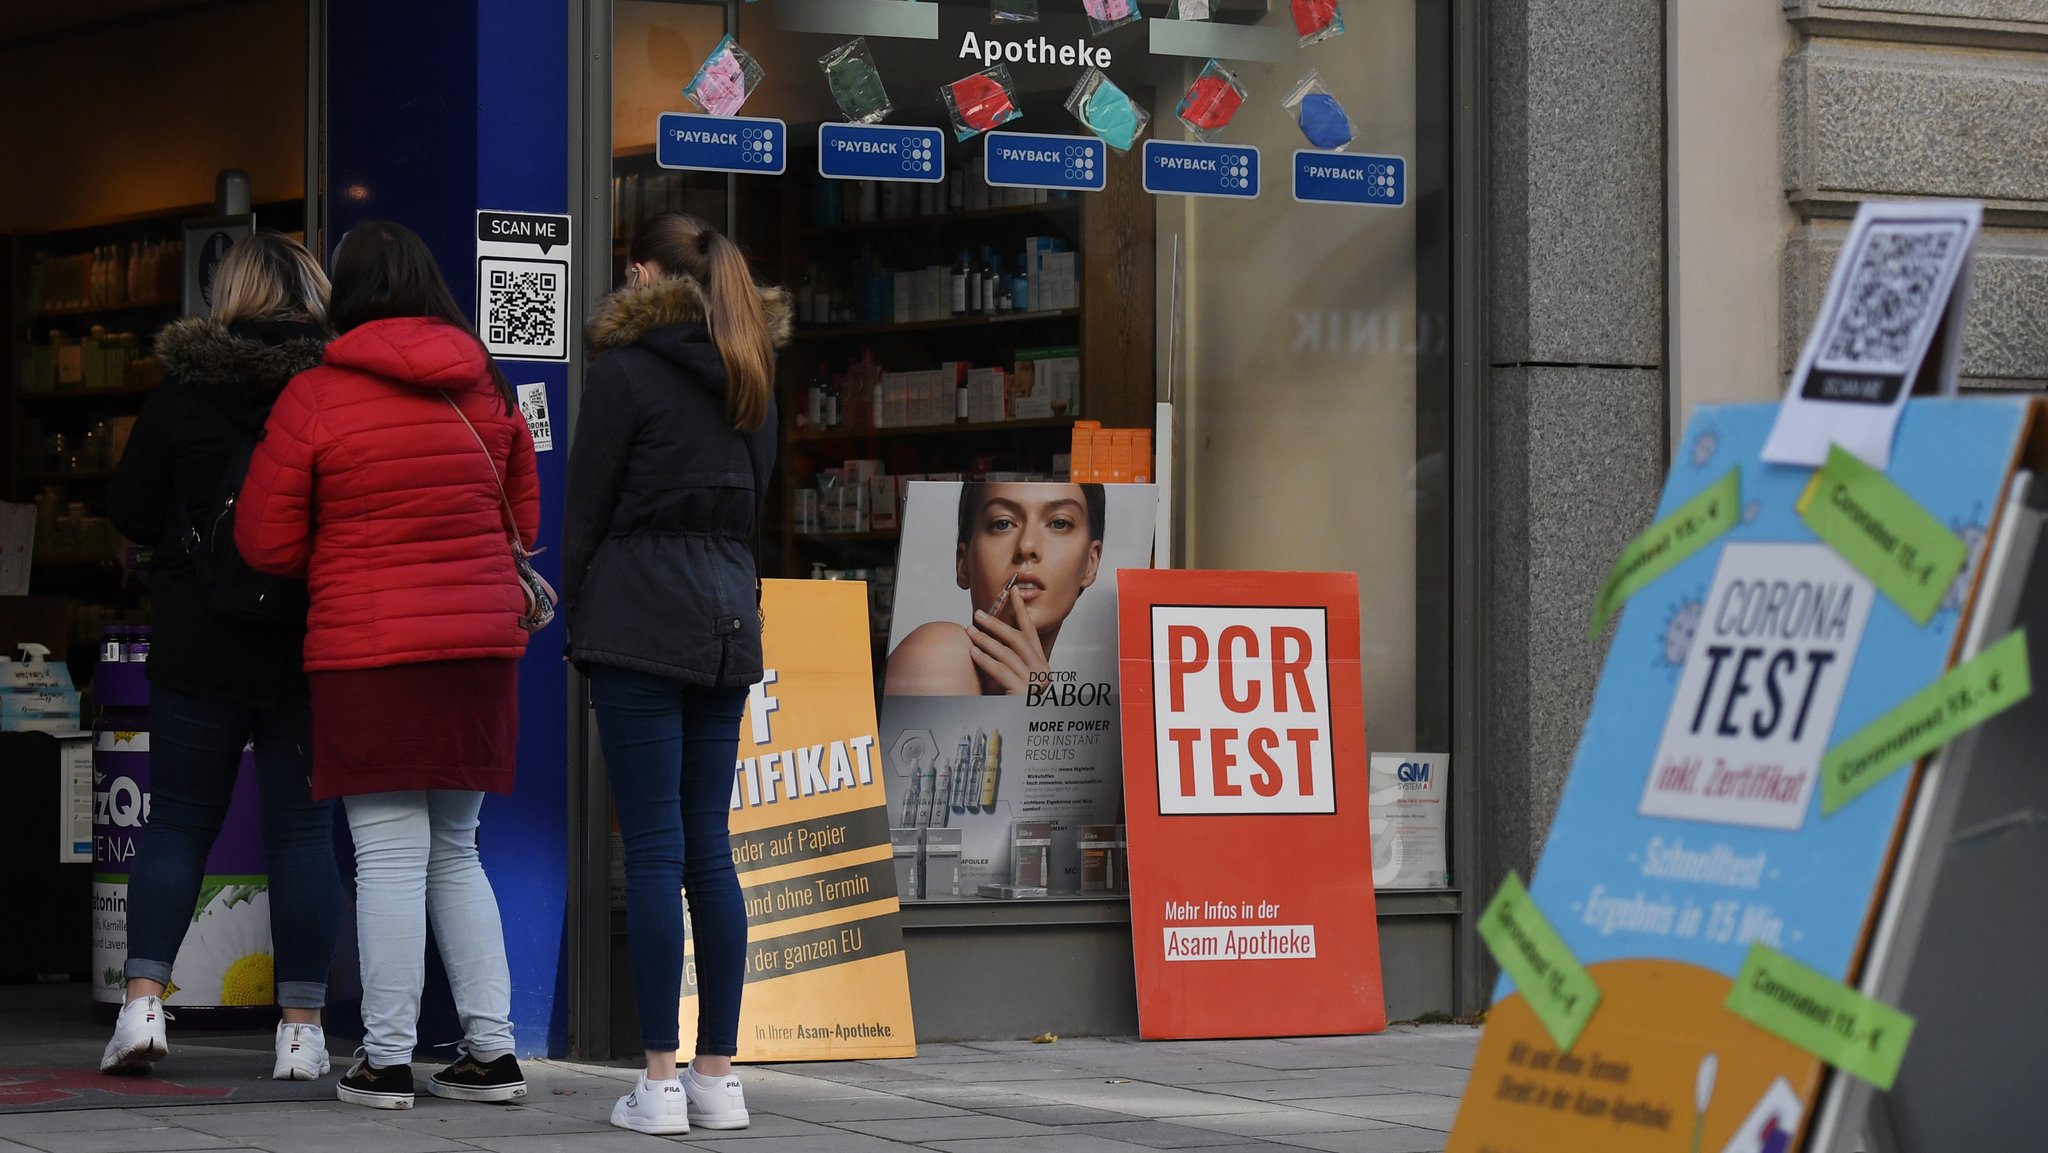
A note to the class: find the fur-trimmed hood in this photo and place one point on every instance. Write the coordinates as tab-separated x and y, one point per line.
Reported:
628	315
262	355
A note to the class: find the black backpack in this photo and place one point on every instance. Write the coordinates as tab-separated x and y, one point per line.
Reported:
232	588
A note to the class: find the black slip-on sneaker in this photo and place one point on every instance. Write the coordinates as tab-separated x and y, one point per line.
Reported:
365	1084
472	1080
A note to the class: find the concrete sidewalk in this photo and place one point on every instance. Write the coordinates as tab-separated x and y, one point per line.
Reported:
1394	1093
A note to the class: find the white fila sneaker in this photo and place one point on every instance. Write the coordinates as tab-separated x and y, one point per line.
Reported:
138	1037
715	1102
653	1107
301	1053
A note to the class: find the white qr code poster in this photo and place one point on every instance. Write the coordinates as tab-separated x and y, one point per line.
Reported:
522	285
533	405
1893	315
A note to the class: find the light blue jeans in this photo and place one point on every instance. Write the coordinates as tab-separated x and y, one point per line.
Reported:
416	858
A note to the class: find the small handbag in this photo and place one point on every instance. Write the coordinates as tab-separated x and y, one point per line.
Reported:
540	595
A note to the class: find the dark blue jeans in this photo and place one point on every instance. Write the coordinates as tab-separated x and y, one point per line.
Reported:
195	751
670	749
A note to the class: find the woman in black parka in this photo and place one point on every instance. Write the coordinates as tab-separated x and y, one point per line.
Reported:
675	440
220	682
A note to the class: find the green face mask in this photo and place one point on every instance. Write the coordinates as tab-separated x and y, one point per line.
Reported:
1110	115
857	87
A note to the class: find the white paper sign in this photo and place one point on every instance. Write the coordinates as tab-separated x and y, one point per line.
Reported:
533	404
522	284
1242	710
1757	696
1407	793
1904	272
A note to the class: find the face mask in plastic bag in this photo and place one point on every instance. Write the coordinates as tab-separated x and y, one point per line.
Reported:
981	101
724	81
1317	20
1013	11
1211	102
1190	9
1104	109
856	84
1323	121
1105	15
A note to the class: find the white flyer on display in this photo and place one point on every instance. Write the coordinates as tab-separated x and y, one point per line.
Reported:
1894	312
1407	795
533	405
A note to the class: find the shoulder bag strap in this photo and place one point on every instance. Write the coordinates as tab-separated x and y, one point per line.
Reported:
504	503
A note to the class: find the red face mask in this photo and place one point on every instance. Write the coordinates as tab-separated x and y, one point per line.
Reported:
982	102
1312	16
1211	103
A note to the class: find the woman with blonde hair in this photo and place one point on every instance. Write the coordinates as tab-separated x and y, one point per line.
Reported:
674	443
224	662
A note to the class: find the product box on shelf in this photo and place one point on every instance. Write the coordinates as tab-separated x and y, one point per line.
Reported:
36	694
987	399
843	507
1060	272
906	847
1112	455
942	864
55	712
1031	854
882	506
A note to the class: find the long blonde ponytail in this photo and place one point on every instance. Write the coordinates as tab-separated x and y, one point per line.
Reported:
684	245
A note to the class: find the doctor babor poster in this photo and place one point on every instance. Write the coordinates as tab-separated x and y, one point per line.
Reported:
999	709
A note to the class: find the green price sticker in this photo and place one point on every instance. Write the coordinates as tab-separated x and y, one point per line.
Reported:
1883	532
1965	697
1556	986
1821	1015
1689	528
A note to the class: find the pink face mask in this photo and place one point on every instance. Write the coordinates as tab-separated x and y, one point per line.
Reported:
1107	9
722	87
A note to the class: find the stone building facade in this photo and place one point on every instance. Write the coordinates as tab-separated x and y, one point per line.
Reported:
1666	188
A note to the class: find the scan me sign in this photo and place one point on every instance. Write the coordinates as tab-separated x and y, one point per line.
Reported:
1245	794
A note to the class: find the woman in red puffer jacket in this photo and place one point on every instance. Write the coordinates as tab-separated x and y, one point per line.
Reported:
386	477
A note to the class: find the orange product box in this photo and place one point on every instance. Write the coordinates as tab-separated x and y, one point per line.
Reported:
1081	468
1121	443
1141	456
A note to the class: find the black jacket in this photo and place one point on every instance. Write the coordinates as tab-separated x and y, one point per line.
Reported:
218	389
658	567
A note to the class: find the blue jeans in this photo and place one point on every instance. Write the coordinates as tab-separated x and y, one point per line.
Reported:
416	858
670	749
196	745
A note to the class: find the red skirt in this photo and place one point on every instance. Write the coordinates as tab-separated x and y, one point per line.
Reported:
437	725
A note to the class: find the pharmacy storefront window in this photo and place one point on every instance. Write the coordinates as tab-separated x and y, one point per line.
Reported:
1079	285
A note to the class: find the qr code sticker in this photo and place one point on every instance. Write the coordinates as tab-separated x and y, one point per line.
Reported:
1892	298
524	311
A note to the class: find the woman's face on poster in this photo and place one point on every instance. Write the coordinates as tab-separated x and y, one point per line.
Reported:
1038	533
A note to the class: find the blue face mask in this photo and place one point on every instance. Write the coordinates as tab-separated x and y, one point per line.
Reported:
1110	115
1323	121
